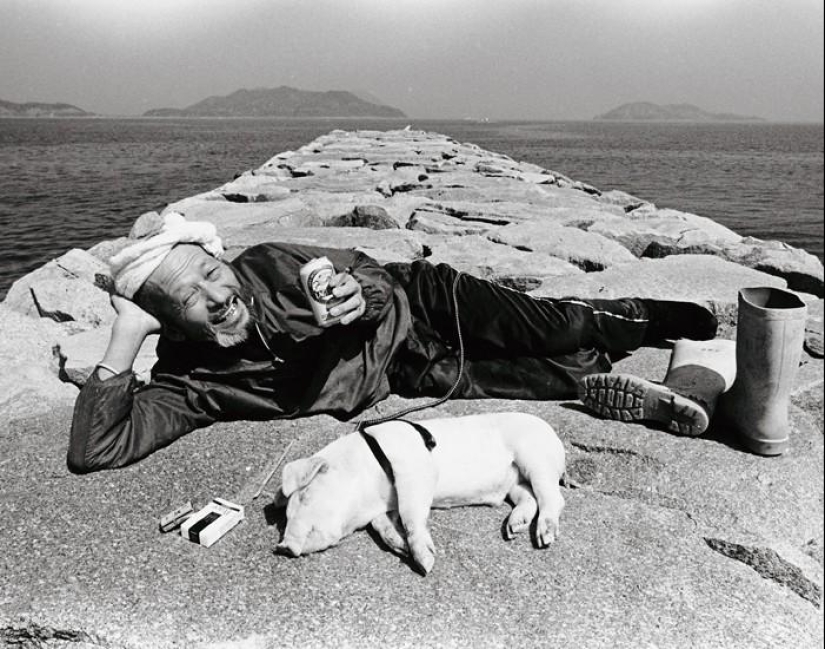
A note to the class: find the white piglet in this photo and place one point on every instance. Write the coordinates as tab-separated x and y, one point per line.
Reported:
478	460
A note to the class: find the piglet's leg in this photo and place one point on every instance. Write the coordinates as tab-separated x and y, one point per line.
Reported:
541	471
415	485
548	495
524	511
389	528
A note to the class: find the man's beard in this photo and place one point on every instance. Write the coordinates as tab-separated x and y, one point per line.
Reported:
236	336
239	331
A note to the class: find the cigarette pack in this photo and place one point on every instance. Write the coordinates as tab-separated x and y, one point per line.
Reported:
209	524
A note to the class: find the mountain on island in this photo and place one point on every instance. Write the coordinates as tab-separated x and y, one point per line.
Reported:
645	111
281	102
35	109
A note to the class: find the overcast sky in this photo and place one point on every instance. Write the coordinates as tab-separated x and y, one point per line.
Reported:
517	59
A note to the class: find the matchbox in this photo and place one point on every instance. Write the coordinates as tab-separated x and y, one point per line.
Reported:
170	521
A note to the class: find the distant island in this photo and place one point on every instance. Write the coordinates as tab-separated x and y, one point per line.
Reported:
282	102
645	111
35	109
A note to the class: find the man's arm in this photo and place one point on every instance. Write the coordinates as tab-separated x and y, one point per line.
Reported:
115	423
129	330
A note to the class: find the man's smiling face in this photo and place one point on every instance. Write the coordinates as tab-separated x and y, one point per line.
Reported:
202	296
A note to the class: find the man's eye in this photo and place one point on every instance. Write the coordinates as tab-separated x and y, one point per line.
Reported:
213	272
190	299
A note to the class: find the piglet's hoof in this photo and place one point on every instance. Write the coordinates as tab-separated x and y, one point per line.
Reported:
547	531
423	552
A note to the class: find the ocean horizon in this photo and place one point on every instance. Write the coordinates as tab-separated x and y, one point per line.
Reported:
71	182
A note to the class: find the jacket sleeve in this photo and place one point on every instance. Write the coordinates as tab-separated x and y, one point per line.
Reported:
115	423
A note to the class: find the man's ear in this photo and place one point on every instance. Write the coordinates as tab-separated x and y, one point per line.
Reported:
299	473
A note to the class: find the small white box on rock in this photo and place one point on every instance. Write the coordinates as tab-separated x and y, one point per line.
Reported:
212	522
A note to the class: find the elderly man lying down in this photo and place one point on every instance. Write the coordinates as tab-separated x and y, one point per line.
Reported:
239	341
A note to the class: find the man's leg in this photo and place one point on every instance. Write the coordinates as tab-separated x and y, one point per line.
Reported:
500	322
426	366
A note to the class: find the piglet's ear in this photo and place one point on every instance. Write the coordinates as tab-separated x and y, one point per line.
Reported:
299	473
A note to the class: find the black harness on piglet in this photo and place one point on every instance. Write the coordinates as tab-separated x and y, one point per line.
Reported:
381	457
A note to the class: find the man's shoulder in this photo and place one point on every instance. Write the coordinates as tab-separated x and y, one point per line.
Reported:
272	254
267	249
282	256
282	250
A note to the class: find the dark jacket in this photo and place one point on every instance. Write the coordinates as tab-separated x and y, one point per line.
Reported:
339	370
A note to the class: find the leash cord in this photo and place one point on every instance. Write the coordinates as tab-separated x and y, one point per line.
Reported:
364	423
271	472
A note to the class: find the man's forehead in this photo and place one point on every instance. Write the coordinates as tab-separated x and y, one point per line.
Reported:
183	264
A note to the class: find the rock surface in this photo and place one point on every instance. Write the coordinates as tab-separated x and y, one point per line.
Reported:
665	541
29	383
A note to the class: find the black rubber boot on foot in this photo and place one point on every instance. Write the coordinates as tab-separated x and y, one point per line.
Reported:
698	373
625	397
673	320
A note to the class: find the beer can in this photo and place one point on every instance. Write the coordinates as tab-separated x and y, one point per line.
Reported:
315	278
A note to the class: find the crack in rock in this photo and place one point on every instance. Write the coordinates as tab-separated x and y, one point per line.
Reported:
769	565
650	498
595	448
34	635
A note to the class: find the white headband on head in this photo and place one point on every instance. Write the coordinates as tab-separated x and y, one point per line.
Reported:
133	265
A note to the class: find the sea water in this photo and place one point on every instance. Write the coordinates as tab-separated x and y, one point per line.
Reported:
69	183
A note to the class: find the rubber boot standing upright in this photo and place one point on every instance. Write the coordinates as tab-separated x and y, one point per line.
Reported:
699	372
769	339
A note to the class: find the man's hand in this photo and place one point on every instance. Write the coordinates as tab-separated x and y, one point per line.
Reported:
349	301
131	315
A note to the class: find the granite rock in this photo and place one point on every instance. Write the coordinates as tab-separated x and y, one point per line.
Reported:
503	264
80	353
626	201
383	245
29	383
802	270
813	330
434	218
229	217
64	300
374	217
695	278
50	291
587	250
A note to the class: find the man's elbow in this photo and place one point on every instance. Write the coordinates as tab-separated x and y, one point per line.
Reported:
78	464
79	460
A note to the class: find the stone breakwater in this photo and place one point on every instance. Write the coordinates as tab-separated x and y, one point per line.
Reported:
404	195
685	542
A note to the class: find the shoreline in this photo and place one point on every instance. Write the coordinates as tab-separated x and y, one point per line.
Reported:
489	122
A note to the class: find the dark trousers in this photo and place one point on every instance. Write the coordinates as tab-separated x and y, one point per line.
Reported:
515	346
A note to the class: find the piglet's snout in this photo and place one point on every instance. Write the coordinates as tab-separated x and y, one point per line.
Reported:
288	549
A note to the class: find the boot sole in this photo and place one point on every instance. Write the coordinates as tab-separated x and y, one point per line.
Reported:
625	397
